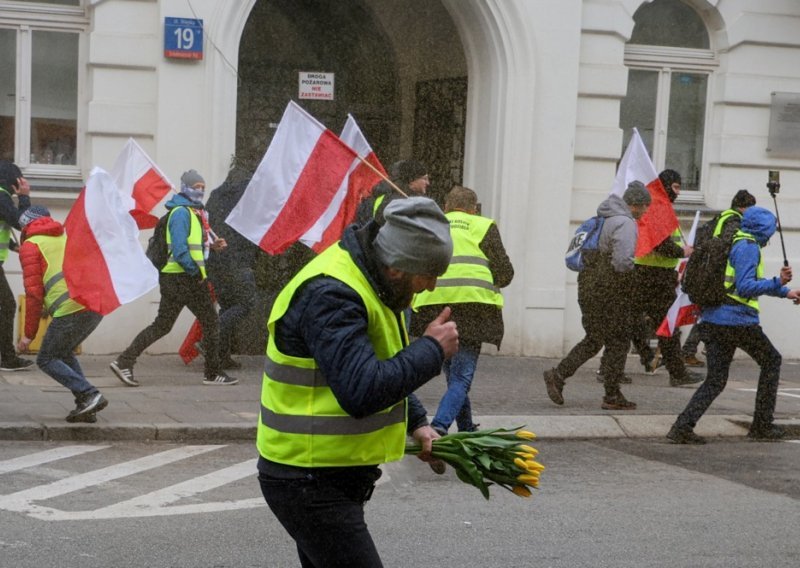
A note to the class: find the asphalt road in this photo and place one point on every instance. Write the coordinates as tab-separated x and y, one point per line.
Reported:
614	503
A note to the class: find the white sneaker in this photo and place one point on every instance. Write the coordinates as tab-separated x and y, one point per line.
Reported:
124	374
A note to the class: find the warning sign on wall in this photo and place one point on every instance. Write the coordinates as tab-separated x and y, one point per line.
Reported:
315	85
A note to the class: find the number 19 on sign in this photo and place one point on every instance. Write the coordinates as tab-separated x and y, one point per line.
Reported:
183	38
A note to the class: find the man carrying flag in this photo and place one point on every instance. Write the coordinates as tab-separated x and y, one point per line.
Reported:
655	280
183	284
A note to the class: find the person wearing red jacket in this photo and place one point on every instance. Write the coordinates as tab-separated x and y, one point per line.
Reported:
41	255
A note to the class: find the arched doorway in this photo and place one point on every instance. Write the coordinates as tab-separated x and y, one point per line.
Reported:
399	69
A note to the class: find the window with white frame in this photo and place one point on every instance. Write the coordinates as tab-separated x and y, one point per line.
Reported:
670	63
40	54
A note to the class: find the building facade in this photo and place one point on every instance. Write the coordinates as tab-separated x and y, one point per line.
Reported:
529	102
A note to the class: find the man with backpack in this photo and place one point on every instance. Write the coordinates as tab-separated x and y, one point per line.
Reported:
183	284
723	226
604	289
654	293
735	324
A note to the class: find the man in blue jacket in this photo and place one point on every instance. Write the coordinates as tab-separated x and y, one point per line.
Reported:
736	324
183	284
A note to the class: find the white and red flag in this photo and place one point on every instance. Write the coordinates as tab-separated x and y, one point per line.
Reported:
659	221
140	179
360	180
104	264
294	184
682	311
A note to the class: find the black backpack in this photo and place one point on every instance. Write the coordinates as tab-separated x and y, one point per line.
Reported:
704	275
157	250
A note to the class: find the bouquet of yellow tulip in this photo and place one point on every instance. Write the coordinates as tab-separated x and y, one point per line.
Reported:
488	457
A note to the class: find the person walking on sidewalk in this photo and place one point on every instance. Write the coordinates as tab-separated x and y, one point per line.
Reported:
723	226
12	182
337	395
41	256
471	287
604	291
654	293
230	271
183	284
735	324
409	175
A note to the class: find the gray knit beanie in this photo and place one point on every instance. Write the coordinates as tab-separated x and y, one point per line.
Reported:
636	194
31	213
415	237
191	177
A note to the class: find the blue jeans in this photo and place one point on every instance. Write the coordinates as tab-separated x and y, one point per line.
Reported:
721	343
455	404
57	354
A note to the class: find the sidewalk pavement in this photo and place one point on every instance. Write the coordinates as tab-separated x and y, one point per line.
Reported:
172	404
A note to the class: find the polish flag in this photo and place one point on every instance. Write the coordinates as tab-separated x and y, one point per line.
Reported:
141	181
683	311
104	264
294	184
659	221
356	186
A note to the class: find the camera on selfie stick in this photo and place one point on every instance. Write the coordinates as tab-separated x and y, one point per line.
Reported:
774	187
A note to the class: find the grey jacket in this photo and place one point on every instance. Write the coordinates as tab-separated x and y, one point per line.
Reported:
619	234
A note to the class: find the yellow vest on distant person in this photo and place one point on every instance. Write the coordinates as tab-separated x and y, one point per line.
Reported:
730	273
468	278
56	294
655	259
195	243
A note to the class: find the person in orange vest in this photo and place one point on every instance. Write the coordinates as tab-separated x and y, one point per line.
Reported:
41	256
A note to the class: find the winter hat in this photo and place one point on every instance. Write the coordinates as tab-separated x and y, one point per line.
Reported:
191	177
636	194
415	237
31	213
9	173
407	171
668	177
742	199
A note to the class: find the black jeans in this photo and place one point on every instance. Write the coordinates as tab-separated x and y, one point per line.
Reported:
236	294
721	343
324	514
179	291
606	319
8	310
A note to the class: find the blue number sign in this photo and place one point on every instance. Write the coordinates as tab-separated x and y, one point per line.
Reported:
183	38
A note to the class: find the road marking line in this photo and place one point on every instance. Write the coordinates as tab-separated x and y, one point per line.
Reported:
39	458
22	501
781	392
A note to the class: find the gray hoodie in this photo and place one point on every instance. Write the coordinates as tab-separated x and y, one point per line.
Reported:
619	234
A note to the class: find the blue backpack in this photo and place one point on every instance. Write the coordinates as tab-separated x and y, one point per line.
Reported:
585	241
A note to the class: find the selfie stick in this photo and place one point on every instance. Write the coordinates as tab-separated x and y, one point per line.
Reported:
774	187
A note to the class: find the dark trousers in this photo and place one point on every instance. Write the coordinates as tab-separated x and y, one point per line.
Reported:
8	310
655	293
236	293
57	354
324	514
606	319
179	291
721	343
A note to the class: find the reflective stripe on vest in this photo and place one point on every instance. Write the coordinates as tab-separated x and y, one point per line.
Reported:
56	294
730	273
655	259
301	422
468	278
194	241
5	234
